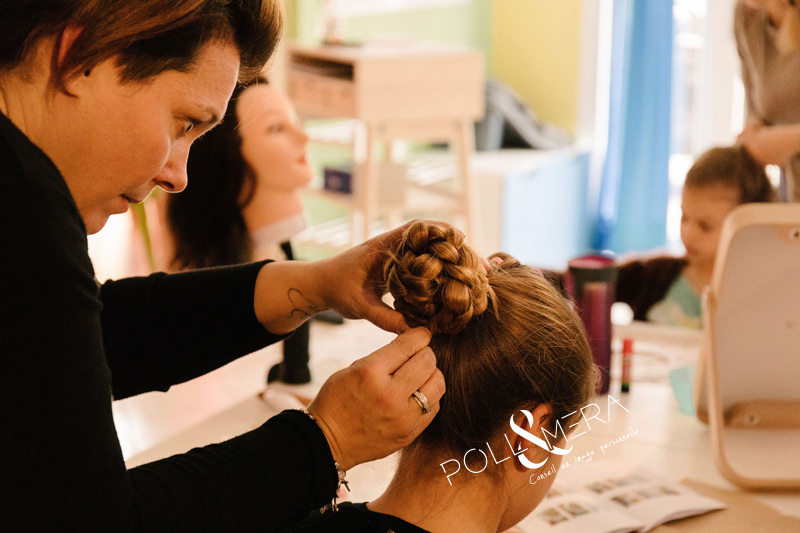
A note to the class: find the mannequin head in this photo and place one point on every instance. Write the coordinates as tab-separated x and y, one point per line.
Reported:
244	174
273	144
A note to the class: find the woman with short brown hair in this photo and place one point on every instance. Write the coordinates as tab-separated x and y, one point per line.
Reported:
100	101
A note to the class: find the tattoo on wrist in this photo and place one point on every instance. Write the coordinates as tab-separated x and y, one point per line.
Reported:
302	307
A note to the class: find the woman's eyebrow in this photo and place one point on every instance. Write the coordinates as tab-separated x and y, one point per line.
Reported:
212	117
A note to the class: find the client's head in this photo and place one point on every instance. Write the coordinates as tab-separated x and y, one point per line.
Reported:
505	341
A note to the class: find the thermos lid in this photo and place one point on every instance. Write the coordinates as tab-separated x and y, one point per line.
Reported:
595	267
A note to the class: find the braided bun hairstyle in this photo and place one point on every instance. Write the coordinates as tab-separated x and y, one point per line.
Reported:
436	279
505	339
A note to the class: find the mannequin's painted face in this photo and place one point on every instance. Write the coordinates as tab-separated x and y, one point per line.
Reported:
273	142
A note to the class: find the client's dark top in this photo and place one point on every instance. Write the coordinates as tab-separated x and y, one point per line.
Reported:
68	345
351	518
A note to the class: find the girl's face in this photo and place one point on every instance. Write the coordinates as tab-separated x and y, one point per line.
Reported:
704	210
273	143
115	142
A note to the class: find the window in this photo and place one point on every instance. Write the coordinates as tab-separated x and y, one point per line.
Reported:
708	95
689	46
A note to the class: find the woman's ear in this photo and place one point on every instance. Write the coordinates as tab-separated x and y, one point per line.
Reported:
63	45
531	442
65	41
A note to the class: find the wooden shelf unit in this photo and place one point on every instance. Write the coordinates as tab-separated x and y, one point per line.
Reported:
420	92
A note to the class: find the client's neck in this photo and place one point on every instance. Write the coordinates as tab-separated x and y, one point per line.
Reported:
420	493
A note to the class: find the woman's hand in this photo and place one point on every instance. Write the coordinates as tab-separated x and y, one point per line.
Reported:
289	292
352	283
366	411
771	145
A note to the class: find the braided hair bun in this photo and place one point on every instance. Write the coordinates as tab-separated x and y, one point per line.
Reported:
437	280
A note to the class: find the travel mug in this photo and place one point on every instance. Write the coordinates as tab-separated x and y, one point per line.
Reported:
591	283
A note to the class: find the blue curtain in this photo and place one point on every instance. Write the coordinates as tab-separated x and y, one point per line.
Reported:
632	212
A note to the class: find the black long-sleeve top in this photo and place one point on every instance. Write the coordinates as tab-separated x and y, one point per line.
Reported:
68	346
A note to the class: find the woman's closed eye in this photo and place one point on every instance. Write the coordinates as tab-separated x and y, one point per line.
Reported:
276	127
187	126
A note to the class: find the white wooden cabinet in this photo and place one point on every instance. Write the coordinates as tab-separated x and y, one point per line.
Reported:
421	92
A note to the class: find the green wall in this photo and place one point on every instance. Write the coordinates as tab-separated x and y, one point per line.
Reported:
533	45
466	24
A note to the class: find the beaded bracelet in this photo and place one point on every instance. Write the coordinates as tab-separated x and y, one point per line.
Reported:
340	473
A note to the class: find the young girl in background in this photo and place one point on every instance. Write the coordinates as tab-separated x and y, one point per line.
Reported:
506	341
667	290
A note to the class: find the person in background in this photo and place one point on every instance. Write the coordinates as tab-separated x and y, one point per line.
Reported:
100	102
667	290
244	201
768	41
511	350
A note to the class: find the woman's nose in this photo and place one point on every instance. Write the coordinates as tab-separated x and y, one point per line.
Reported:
173	177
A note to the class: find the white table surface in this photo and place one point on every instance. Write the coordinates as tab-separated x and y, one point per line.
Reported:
668	442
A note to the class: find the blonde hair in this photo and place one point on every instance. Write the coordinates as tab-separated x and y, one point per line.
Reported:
504	339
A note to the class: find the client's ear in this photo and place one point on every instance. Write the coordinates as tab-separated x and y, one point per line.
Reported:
531	438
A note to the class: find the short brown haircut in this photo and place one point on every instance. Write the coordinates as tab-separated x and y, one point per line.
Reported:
148	37
508	340
732	167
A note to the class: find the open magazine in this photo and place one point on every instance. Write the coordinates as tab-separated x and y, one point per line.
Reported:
638	501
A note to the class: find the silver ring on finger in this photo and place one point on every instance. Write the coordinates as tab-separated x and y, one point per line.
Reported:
422	401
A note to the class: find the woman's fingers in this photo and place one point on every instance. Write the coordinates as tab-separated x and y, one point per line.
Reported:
367	410
385	317
392	357
432	391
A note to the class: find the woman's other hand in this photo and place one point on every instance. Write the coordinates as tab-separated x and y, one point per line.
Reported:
289	292
366	410
352	282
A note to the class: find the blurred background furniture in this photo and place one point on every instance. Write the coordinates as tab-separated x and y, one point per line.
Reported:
391	94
